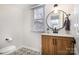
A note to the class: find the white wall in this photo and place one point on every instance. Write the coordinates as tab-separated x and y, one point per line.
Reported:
15	22
75	31
31	39
11	24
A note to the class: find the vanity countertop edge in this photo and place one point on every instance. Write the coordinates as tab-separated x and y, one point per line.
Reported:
51	34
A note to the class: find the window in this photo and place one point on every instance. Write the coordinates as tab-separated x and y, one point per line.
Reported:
38	19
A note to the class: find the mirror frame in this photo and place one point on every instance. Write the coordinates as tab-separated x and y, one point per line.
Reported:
54	29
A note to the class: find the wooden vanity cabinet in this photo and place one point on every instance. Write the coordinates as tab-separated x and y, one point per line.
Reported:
57	45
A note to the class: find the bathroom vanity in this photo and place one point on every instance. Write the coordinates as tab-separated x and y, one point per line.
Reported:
55	44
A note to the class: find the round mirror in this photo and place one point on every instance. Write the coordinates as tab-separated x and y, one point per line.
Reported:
55	19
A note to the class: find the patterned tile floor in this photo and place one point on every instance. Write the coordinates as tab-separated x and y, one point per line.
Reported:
26	51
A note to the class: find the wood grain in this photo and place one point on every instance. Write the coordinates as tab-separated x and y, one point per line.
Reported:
57	45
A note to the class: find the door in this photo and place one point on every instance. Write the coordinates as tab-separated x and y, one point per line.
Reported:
69	45
64	46
47	45
60	46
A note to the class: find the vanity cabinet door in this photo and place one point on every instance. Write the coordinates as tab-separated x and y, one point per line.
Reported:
54	44
60	46
65	46
47	45
69	45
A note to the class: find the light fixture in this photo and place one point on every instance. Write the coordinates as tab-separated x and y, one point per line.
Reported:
55	8
55	5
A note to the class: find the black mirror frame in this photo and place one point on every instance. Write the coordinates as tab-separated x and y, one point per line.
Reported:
54	29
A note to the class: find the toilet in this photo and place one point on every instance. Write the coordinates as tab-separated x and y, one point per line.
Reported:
7	50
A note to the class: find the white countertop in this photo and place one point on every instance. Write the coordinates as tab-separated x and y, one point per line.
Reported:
65	35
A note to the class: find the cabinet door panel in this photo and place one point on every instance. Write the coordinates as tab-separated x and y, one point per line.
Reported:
54	39
64	46
69	45
52	46
44	50
60	46
47	45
